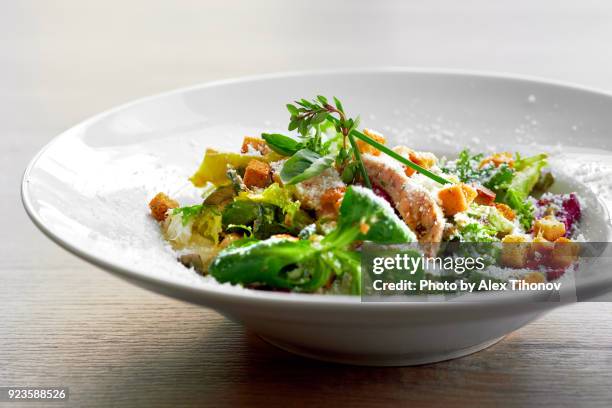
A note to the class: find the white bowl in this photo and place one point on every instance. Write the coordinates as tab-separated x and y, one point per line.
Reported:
88	191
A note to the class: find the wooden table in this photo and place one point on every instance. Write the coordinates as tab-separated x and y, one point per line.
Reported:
64	322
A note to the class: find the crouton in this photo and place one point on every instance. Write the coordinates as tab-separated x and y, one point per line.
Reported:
406	153
542	246
514	251
456	198
423	159
564	253
469	193
160	204
506	211
485	196
257	174
498	159
367	148
549	227
331	200
254	143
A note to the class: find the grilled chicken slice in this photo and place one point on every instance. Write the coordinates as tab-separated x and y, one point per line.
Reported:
415	204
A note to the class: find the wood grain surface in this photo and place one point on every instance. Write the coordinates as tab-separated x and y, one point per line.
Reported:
64	322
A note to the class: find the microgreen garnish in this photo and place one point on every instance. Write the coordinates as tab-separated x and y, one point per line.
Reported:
308	118
306	115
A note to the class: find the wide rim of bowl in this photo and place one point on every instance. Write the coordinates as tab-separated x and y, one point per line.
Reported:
219	292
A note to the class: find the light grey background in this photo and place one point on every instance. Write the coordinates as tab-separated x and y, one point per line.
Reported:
62	320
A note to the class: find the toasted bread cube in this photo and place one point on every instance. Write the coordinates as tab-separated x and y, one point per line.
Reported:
367	148
506	211
331	200
498	159
549	227
565	252
515	251
515	239
406	153
456	198
541	246
257	174
469	193
409	170
254	143
423	159
160	204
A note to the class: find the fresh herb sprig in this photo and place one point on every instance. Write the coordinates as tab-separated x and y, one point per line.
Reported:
310	157
308	114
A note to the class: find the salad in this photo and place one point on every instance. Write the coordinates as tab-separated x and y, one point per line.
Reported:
290	212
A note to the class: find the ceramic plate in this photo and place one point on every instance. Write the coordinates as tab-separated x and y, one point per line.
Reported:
88	191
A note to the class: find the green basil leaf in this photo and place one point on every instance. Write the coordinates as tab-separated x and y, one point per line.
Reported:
281	144
303	165
262	262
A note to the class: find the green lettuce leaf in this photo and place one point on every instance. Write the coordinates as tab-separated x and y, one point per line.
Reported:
275	195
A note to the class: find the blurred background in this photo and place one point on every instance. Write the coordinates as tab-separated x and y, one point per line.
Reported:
65	60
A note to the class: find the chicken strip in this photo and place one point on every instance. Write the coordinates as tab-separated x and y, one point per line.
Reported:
415	204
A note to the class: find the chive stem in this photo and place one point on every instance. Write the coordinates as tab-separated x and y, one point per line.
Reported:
399	158
364	173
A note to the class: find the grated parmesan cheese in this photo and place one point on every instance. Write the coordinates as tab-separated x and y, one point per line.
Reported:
310	191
